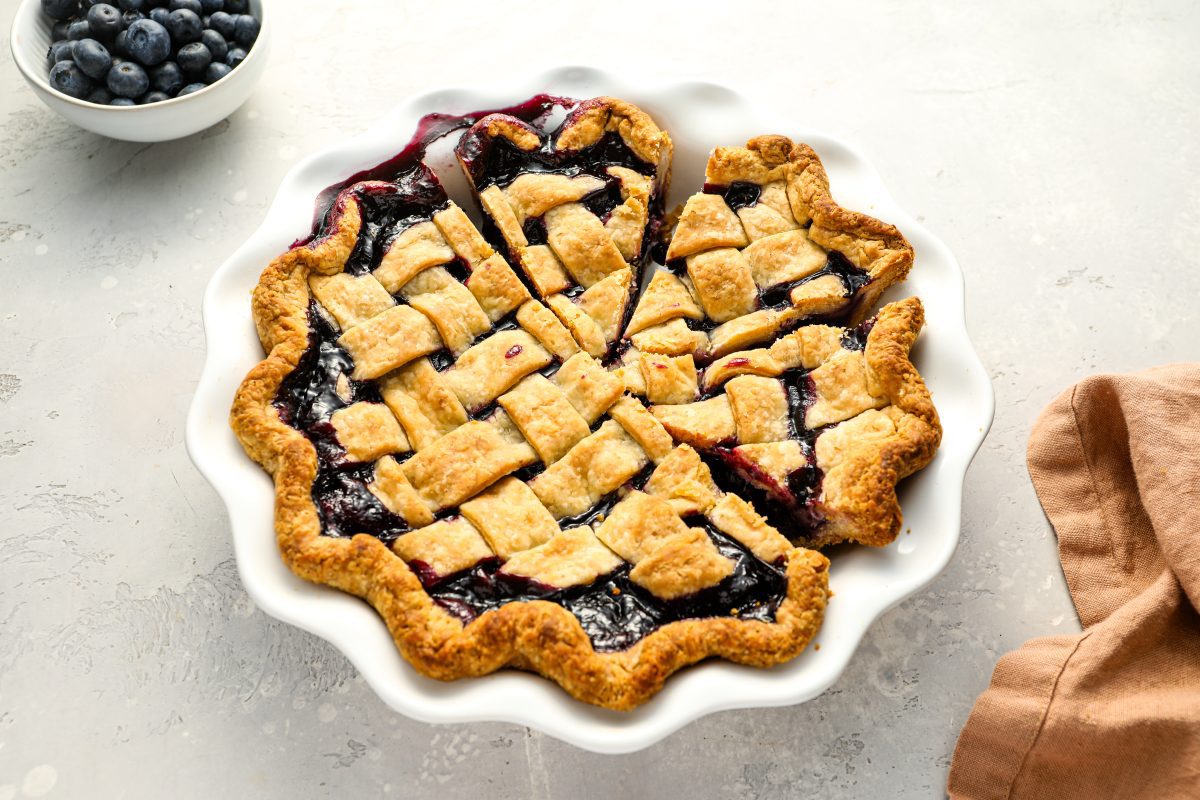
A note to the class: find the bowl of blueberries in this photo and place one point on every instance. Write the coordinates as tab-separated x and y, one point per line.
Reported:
141	70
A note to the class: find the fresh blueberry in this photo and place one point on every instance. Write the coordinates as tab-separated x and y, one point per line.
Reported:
245	30
148	42
60	51
128	80
58	31
191	5
159	15
104	21
131	5
100	96
184	26
223	23
79	29
68	78
152	97
206	21
212	6
119	42
216	44
60	9
237	6
122	101
191	87
167	77
194	58
93	58
235	56
130	17
216	71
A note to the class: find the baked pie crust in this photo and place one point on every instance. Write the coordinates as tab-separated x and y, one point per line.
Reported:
466	431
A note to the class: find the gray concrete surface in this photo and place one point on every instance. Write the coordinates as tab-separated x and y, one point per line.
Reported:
1052	145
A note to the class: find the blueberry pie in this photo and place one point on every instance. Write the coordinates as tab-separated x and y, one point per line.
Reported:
476	430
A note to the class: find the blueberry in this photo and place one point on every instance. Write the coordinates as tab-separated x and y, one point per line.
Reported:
184	26
104	21
58	31
167	77
130	17
119	42
152	97
100	96
79	29
194	58
216	44
60	9
128	80
235	56
148	42
245	30
93	58
223	23
191	5
122	101
131	5
216	71
212	6
191	87
61	51
159	15
68	78
237	6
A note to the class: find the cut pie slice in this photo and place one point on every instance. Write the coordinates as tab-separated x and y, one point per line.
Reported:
447	446
762	249
575	209
817	428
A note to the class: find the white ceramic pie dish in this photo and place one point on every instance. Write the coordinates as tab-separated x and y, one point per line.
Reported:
866	581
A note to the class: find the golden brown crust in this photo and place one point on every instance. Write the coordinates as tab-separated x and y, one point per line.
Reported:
859	489
591	119
536	635
871	245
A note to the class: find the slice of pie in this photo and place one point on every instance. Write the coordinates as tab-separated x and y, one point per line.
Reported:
464	432
814	422
575	209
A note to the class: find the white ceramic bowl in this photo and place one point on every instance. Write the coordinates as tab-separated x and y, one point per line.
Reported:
866	581
157	122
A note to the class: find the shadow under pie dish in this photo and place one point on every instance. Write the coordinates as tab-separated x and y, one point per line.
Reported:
453	440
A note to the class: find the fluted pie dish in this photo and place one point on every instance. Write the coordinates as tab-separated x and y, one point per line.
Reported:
528	446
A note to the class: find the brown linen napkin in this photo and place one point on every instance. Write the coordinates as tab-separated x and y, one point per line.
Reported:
1115	711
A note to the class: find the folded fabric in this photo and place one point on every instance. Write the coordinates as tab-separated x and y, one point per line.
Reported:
1113	712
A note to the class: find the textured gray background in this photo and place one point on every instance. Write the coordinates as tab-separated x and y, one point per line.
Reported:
1051	145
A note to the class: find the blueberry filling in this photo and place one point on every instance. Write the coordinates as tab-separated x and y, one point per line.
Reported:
306	400
614	611
738	194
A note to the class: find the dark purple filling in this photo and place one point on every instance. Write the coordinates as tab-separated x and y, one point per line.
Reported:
738	194
306	400
616	612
